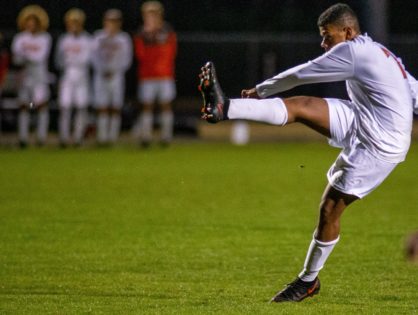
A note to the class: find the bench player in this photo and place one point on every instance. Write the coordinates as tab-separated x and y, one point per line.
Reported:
112	51
155	51
30	49
373	127
72	57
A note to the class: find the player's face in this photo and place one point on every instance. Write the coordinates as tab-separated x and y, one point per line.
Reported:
152	20
32	24
332	35
74	26
112	26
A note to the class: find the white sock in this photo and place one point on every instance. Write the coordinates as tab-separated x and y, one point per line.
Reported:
115	121
64	124
102	127
23	125
145	122
167	121
80	121
272	111
318	253
43	124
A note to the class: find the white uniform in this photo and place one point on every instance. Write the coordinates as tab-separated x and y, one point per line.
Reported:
72	56
32	52
374	128
111	56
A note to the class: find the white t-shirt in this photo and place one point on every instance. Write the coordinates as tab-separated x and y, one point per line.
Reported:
73	55
377	85
32	52
111	53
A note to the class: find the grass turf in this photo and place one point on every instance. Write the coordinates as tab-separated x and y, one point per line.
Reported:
195	229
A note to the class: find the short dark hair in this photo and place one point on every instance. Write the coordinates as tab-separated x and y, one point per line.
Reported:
340	14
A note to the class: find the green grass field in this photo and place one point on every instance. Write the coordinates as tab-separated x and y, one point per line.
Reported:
194	229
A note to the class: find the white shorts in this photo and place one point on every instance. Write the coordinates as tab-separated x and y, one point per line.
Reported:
161	91
38	94
73	93
109	92
356	171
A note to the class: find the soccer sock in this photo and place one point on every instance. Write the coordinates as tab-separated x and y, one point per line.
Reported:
102	126
115	121
43	124
167	120
23	125
146	126
272	111
64	124
80	124
315	259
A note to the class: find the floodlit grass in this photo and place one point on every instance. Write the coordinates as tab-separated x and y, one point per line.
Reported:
194	229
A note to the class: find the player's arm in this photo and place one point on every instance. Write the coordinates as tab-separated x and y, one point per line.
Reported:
127	53
335	65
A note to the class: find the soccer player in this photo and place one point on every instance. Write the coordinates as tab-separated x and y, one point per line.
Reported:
72	57
155	51
30	49
112	56
373	127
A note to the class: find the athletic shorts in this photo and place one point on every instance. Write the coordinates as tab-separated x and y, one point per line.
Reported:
356	171
109	92
156	91
37	93
73	93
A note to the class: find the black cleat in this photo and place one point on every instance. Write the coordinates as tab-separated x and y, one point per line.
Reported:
215	104
297	291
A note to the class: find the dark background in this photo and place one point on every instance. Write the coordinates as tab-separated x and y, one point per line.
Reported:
249	40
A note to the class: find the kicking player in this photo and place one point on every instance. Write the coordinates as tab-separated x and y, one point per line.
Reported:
373	127
155	51
112	51
30	49
72	57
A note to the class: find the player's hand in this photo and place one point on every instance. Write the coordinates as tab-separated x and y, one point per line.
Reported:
251	93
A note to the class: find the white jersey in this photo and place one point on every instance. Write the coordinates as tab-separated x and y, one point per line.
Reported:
32	51
111	53
377	85
72	56
413	83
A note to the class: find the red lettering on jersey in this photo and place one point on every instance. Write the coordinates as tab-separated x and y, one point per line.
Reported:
389	54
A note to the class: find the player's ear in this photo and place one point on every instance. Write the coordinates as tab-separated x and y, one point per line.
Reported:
349	33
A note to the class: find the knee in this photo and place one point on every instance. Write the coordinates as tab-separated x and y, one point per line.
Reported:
298	107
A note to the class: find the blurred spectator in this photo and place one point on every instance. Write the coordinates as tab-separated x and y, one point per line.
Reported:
31	48
155	51
72	57
112	56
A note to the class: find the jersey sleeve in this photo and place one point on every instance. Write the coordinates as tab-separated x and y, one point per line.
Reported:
335	65
127	52
413	83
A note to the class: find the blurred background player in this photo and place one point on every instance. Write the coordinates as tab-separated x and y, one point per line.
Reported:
31	48
155	51
112	51
73	59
